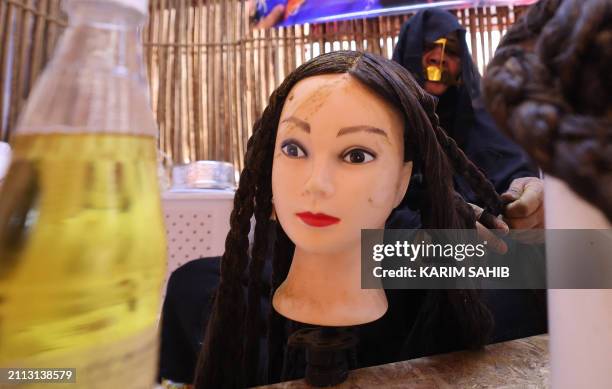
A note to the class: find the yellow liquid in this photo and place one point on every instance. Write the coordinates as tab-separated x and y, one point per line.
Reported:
82	256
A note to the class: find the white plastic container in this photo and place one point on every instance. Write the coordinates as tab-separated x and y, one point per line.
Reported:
197	223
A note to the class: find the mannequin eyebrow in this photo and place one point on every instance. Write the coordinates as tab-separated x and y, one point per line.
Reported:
373	130
298	122
304	126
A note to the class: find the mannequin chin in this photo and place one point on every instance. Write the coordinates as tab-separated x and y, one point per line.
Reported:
338	168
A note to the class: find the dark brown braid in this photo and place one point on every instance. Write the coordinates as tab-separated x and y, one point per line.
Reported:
475	177
549	87
263	196
230	293
277	336
228	315
230	353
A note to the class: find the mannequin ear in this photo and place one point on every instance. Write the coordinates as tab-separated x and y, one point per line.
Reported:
403	182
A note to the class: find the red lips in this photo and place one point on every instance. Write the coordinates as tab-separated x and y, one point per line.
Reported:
317	219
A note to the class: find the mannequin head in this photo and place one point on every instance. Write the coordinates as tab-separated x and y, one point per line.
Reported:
332	176
349	167
274	163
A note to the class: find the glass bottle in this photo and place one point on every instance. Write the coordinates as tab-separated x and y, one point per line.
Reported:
82	241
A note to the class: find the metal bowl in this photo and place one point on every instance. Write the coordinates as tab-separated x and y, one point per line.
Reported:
204	175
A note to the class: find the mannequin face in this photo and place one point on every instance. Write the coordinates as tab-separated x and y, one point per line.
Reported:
338	163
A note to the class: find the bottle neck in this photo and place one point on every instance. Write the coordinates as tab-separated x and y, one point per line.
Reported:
103	34
96	80
102	12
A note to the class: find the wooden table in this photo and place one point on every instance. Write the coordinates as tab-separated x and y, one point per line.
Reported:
517	364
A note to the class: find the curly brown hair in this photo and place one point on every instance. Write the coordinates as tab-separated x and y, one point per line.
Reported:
549	87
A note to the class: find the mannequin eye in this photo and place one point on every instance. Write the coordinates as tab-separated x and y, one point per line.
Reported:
358	156
293	150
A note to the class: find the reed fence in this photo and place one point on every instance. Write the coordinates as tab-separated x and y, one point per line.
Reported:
210	72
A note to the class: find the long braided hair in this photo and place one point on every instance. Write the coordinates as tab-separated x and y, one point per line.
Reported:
231	351
549	87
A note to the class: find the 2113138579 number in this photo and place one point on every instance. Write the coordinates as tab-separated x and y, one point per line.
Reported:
40	375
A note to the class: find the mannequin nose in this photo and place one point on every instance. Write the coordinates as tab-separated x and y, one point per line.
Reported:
320	183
